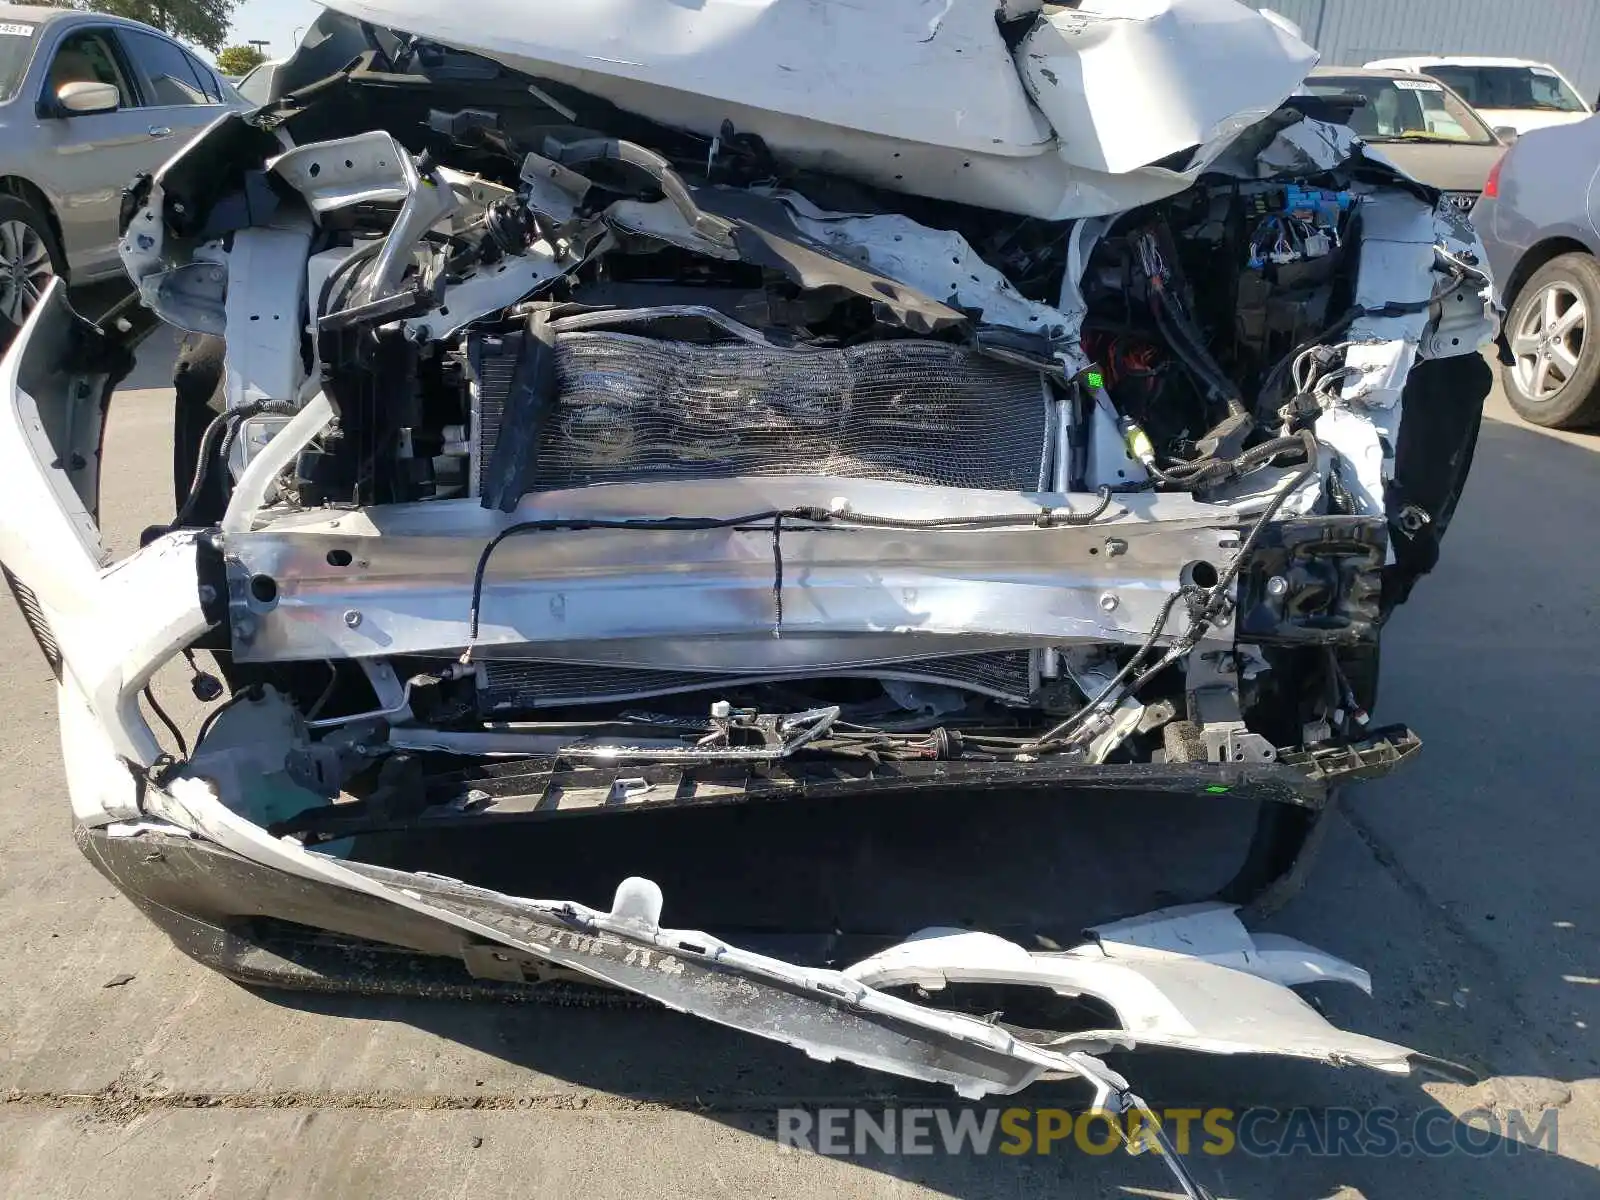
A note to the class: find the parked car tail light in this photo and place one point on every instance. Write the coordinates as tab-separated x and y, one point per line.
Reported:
1491	186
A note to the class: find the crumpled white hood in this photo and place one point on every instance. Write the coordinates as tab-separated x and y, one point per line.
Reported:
920	96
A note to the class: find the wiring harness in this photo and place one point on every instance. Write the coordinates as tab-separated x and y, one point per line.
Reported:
1205	606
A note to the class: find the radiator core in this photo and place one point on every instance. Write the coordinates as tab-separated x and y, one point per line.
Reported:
633	409
520	686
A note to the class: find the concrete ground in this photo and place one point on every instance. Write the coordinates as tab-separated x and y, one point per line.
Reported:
1466	884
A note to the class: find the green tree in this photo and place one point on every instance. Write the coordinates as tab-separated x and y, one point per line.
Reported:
203	22
239	60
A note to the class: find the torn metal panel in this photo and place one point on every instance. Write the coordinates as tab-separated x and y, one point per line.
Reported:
186	283
663	221
191	297
1307	147
763	230
766	235
370	168
937	262
175	257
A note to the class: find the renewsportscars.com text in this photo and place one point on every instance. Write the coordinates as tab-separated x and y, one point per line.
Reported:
1258	1132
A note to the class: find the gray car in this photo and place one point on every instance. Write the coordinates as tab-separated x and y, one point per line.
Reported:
87	102
1538	222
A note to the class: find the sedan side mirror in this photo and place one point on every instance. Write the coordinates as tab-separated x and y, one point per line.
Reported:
1506	133
82	98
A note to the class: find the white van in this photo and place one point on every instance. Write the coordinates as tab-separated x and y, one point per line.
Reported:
1509	93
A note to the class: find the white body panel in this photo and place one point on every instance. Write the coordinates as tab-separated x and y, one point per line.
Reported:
1128	84
919	96
114	625
927	71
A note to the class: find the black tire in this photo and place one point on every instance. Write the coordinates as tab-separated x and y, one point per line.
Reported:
1570	398
17	212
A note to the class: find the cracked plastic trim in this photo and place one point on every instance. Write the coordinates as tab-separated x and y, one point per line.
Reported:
1177	999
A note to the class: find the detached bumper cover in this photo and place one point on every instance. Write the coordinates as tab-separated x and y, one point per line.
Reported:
1167	998
1190	978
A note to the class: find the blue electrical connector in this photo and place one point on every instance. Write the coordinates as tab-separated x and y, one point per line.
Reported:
1317	204
1307	226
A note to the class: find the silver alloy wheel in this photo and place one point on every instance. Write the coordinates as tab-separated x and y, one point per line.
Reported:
1548	342
25	270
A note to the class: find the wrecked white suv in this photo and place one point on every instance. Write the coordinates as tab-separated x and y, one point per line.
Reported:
597	410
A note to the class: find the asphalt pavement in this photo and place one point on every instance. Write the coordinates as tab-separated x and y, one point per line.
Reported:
1466	884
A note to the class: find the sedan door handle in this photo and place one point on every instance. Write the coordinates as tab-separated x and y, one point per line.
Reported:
160	131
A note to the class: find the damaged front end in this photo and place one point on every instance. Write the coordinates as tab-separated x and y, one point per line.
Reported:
568	436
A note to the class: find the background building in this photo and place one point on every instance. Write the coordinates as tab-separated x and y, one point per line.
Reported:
1564	33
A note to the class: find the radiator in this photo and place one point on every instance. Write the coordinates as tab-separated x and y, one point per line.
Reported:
635	409
520	686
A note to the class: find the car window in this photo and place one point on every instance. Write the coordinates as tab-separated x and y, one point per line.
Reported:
210	83
1510	87
16	52
167	68
87	57
1405	110
256	86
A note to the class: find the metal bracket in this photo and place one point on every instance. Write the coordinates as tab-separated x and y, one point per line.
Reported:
556	192
1092	671
1213	689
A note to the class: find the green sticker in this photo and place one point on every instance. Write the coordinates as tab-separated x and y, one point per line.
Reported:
1216	789
1096	380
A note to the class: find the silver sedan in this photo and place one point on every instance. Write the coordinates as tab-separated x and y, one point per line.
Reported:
1540	223
87	102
